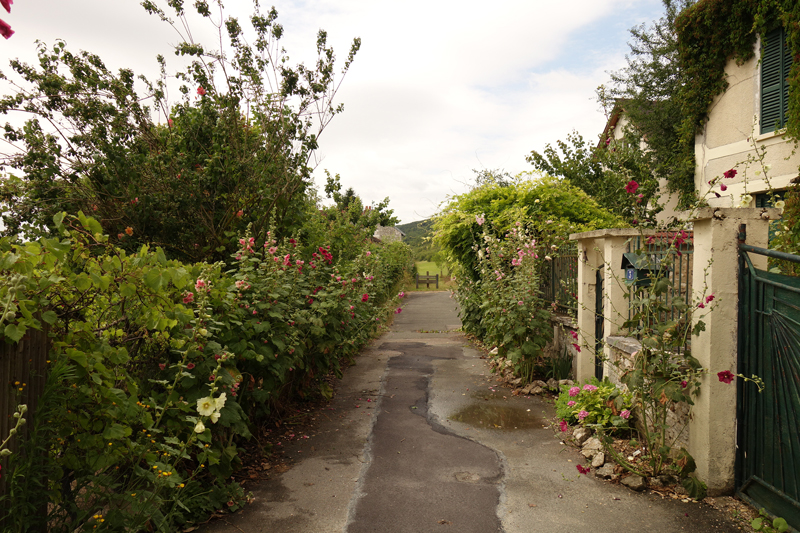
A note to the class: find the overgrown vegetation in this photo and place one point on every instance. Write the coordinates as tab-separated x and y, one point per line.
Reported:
196	283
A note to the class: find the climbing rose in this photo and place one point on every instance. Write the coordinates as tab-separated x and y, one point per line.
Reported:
631	187
729	173
574	391
726	376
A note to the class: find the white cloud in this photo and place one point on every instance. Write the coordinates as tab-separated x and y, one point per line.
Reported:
438	88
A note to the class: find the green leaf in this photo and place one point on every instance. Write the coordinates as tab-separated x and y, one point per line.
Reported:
780	524
50	317
757	524
116	431
14	332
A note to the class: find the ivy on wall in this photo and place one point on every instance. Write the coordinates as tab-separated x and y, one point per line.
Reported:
710	33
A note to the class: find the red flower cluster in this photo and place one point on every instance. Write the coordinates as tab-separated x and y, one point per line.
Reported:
326	255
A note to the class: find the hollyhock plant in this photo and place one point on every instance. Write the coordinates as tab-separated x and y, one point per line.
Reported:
730	173
631	187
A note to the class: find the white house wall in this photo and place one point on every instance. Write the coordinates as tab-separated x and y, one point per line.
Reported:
731	135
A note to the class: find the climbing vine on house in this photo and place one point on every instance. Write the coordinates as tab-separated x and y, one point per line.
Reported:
710	33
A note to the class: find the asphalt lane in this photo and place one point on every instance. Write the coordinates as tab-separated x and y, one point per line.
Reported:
420	438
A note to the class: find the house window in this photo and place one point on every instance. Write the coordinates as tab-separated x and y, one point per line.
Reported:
775	64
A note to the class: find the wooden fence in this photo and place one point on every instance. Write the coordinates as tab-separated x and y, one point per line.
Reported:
23	370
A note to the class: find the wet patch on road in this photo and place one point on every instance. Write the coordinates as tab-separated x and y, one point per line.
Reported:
500	417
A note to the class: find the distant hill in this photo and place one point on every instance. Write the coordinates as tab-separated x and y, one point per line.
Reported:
418	238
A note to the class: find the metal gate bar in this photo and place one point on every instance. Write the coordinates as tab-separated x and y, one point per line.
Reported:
768	444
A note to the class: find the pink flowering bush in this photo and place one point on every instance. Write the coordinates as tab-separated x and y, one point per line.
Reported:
598	404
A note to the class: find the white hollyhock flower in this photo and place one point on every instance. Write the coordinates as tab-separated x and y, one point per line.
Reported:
199	428
207	405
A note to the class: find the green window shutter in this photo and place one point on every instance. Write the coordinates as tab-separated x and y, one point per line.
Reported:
775	64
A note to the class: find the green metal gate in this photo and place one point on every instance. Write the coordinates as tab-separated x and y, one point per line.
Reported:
768	443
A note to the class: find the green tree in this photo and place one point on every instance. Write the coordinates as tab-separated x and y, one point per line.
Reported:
235	151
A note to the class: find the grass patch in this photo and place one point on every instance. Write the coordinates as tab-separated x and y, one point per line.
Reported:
423	267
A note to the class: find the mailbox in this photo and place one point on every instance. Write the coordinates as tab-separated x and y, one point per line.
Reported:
639	269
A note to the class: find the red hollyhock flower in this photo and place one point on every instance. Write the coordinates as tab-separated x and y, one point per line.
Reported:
365	298
201	91
631	187
6	4
726	376
729	173
582	469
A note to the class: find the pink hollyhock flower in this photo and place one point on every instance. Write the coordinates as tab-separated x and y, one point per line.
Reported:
5	29
631	187
729	173
574	391
701	305
286	260
571	403
577	347
239	213
723	187
401	295
709	298
520	302
563	425
170	123
189	366
162	366
726	376
365	298
201	91
582	415
582	469
188	298
200	284
272	250
625	414
574	334
398	311
369	253
684	383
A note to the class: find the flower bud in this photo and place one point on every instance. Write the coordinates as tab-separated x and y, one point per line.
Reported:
5	452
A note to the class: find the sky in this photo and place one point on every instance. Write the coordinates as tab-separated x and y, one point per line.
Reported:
438	89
